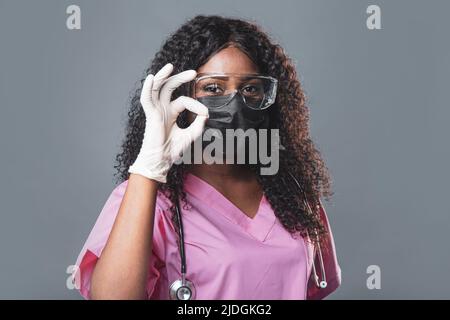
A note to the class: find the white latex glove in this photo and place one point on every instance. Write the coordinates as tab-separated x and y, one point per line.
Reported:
163	139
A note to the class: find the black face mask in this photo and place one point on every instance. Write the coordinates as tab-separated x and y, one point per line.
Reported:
232	115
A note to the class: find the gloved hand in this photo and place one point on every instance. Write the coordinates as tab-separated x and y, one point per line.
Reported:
163	139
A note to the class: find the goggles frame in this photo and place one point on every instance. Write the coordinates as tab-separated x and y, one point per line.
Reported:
269	100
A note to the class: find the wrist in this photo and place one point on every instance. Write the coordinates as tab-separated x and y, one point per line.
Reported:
149	168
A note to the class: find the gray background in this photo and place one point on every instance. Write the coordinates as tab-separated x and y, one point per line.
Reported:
379	114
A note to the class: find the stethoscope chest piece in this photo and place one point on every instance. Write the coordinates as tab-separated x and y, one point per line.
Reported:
180	291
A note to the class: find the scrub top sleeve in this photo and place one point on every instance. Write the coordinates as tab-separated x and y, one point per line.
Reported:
98	237
331	265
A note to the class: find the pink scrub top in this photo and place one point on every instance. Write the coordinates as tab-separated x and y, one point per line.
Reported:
228	254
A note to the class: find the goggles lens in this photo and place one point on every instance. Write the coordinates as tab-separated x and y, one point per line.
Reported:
258	92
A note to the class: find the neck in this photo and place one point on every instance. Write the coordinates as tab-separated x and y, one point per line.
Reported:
222	173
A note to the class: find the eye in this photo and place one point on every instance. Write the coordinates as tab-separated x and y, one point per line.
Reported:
251	90
212	89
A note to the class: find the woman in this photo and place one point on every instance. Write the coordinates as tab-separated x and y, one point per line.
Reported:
247	235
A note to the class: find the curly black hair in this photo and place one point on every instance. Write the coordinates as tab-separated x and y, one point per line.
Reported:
190	47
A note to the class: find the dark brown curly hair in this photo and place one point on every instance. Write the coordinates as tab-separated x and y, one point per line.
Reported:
189	48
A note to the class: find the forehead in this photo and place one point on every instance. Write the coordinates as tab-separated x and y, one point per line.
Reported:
229	60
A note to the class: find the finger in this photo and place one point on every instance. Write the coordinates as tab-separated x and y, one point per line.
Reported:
162	75
146	92
158	79
183	102
174	82
194	130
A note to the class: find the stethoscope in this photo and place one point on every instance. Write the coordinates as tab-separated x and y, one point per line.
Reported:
184	289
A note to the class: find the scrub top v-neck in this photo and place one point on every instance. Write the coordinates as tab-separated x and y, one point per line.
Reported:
228	254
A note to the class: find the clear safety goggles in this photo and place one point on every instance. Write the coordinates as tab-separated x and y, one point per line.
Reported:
258	91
